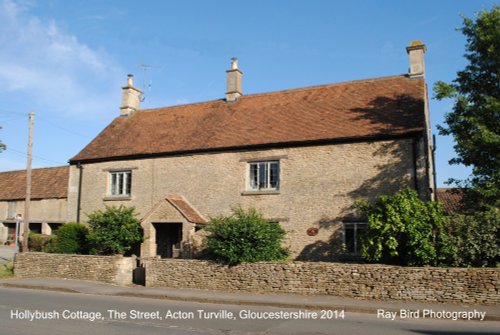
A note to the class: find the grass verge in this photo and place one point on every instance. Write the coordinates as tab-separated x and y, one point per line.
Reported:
7	270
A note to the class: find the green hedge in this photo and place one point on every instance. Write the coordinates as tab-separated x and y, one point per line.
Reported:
42	243
72	239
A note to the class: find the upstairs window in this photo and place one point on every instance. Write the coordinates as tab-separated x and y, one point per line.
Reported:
120	183
264	175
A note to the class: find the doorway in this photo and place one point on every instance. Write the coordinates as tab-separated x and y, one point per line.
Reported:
168	239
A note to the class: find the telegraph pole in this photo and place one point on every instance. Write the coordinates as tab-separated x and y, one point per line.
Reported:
24	245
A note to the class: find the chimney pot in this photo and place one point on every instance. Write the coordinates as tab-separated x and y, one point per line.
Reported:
234	63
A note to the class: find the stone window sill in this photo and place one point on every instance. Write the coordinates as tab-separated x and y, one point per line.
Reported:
117	198
261	192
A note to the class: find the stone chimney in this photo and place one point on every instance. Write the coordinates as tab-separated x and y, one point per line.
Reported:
131	98
234	76
416	50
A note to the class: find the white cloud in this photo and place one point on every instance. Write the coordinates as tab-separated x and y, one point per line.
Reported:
53	68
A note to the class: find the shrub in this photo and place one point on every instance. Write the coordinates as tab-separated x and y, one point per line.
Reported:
403	229
42	243
7	269
477	237
245	236
72	239
113	231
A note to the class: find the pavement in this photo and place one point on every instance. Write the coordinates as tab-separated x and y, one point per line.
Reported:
237	298
6	253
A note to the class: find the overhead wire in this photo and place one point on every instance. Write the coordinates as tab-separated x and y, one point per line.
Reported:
8	148
45	120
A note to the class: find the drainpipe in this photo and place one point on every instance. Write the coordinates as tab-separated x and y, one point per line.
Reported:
415	164
79	201
434	147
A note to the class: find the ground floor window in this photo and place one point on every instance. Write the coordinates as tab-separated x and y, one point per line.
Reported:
54	227
35	227
352	236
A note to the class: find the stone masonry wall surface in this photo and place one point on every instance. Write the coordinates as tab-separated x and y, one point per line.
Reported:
318	186
108	269
445	285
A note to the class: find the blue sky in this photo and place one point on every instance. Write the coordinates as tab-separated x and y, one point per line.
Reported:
67	60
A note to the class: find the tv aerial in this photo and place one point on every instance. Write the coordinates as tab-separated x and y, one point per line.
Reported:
147	83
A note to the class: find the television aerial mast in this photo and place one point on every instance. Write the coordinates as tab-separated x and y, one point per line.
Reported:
147	83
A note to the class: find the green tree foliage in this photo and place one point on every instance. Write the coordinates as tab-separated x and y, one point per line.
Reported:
403	229
114	231
42	243
477	237
474	121
72	239
245	236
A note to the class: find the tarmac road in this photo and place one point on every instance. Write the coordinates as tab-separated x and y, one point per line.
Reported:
70	313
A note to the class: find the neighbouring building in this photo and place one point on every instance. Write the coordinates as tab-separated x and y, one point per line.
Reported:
300	156
48	208
452	199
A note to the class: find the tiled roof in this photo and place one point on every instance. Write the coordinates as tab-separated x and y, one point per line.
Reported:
48	183
188	211
358	109
451	199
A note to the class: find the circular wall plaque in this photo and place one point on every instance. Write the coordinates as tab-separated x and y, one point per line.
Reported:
312	231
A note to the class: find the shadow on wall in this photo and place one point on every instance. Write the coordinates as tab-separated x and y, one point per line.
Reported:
391	116
395	171
329	250
391	176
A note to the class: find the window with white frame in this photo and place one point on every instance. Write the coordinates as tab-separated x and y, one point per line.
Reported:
352	236
263	175
120	183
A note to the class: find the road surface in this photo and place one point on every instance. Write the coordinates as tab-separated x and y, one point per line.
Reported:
34	312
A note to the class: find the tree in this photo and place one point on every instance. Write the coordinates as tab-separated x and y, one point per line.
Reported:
245	236
403	229
477	237
113	231
474	121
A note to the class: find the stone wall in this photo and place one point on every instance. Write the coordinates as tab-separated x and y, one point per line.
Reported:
447	285
318	186
108	269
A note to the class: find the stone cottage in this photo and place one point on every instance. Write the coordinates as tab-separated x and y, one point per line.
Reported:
48	201
300	156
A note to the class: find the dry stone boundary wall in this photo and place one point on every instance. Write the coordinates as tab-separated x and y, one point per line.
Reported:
447	285
107	269
363	281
